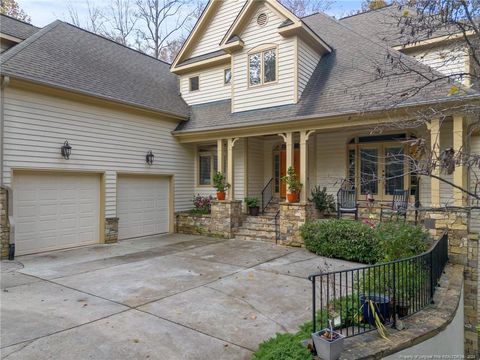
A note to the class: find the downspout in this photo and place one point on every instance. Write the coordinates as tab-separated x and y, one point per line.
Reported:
5	81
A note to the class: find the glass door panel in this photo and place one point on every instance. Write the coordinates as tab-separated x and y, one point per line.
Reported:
394	169
369	171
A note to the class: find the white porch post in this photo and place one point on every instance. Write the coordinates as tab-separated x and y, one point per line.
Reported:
220	156
230	172
460	173
288	138
304	135
435	150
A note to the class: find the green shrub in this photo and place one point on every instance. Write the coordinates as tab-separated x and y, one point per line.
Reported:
324	202
343	239
400	240
283	347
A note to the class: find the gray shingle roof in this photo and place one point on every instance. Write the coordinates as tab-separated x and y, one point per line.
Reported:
70	58
385	24
345	81
16	28
198	58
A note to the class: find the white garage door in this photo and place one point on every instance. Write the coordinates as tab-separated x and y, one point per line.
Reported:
142	206
55	211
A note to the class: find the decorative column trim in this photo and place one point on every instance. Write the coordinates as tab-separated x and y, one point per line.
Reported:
304	135
460	173
288	138
435	152
220	156
230	173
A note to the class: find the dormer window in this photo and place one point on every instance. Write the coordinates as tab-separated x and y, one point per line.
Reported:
262	67
194	83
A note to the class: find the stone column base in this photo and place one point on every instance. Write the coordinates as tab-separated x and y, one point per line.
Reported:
226	217
4	225
111	230
292	217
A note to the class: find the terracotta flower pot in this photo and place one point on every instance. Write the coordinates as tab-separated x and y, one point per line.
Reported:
221	195
292	197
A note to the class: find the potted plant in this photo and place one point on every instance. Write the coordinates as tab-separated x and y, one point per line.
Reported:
221	185
252	204
324	202
293	185
328	343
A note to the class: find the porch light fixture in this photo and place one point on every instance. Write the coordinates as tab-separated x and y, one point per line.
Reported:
149	158
66	150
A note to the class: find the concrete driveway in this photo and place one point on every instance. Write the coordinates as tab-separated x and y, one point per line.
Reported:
162	297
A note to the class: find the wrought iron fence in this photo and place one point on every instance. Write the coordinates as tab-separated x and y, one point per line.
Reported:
357	299
277	226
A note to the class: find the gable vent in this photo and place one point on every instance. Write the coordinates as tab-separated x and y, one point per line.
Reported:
262	19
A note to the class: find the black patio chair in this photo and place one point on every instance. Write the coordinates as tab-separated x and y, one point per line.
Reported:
398	207
347	202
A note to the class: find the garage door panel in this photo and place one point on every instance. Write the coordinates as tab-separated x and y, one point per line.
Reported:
142	206
55	211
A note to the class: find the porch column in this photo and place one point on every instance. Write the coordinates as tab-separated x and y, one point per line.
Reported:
230	172
435	150
220	156
288	138
304	135
460	173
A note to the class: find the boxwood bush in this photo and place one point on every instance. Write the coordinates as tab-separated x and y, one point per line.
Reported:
355	241
342	239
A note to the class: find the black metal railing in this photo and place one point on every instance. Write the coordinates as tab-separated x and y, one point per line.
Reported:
267	195
277	226
357	299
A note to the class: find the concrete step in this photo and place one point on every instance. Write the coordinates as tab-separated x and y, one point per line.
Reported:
257	238
256	233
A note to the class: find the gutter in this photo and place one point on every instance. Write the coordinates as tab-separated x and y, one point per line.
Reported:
4	82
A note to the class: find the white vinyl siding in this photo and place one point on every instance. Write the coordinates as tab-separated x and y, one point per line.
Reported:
102	139
278	93
219	25
307	62
256	167
449	60
212	86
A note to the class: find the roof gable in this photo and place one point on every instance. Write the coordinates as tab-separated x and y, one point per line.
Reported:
16	28
209	30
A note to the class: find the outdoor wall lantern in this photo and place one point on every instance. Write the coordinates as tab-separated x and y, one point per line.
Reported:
149	158
66	150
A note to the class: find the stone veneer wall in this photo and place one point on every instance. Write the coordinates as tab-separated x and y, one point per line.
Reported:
463	250
111	230
4	225
292	216
193	224
225	218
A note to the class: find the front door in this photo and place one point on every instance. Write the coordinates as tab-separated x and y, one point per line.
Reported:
282	158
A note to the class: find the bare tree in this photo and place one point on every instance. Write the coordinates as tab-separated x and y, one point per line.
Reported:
11	8
122	18
303	8
162	19
94	21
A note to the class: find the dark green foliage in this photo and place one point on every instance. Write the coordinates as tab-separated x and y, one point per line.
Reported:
400	240
251	202
343	239
355	241
323	201
283	347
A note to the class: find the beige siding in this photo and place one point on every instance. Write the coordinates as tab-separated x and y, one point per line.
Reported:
450	60
256	167
212	87
331	160
307	62
281	92
211	37
102	139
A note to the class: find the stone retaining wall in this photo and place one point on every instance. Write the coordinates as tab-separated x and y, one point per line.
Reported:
111	230
292	217
193	224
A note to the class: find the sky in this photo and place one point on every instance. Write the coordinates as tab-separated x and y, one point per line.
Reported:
44	12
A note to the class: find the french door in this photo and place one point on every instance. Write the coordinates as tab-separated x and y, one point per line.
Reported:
381	169
280	170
